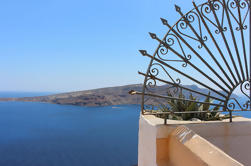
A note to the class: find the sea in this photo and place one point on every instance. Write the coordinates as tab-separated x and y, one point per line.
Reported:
43	134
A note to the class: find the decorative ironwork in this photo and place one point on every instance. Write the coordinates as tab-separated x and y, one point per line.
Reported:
212	43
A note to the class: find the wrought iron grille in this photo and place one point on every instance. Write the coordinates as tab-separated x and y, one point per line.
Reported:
205	53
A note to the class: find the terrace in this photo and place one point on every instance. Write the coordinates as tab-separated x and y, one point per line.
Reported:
194	143
209	46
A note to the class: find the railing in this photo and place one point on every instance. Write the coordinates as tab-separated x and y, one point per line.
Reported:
209	46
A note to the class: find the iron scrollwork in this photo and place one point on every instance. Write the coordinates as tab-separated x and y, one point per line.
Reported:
176	46
233	103
212	7
172	41
237	5
187	20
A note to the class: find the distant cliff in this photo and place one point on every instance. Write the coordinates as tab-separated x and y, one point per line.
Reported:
97	97
100	97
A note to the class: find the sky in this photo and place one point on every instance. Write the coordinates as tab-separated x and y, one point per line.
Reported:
70	45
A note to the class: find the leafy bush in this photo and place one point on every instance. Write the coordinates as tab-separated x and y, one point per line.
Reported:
188	106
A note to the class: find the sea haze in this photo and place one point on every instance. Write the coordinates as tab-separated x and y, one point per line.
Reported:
42	134
24	94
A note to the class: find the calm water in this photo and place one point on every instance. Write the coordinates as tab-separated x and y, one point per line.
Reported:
40	134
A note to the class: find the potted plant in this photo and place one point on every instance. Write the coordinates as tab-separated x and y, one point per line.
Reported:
172	107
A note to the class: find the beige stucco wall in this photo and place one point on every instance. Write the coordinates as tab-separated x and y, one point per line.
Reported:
157	144
233	138
147	143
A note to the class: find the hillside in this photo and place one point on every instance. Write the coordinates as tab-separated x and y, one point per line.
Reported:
99	97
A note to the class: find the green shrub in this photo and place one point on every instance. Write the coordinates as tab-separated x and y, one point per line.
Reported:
188	106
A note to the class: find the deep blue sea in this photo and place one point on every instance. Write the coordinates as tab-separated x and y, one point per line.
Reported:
42	134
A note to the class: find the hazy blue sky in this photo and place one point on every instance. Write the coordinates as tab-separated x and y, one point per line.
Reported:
70	45
66	45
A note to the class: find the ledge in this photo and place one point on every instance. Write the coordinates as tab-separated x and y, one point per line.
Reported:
153	120
229	142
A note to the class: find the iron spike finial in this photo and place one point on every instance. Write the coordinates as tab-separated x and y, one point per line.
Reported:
177	8
193	3
132	92
164	21
153	35
143	52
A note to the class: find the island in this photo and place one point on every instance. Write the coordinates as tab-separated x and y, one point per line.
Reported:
101	97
